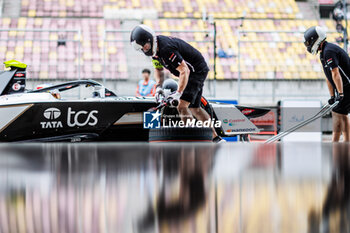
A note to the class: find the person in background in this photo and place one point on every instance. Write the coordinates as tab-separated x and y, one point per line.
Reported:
146	86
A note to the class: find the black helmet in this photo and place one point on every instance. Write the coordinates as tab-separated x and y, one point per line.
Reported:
313	37
170	84
142	35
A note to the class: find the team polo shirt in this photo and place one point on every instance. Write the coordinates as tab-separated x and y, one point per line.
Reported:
172	51
332	56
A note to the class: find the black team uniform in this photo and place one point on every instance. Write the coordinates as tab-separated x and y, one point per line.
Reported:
332	56
171	52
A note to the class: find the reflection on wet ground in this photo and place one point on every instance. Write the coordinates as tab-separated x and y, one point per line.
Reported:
174	188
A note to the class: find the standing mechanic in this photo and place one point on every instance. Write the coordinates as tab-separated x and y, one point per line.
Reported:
336	66
183	61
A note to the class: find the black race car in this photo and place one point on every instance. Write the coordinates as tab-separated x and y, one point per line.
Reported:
49	114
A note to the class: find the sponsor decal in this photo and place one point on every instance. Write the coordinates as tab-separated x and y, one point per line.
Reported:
267	119
157	64
296	119
232	122
172	60
19	75
228	121
51	125
51	114
16	86
172	57
247	111
81	118
240	130
151	120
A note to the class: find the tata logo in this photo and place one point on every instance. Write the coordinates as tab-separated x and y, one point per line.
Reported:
51	114
81	118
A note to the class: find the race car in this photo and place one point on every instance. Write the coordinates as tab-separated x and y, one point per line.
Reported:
49	114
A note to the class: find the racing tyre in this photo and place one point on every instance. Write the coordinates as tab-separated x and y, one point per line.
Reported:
186	134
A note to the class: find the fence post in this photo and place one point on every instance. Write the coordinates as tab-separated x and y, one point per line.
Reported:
79	54
239	68
104	58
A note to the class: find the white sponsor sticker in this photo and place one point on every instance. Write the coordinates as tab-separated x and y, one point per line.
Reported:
51	114
16	86
233	121
81	118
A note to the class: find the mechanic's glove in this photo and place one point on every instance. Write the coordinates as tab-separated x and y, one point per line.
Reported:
340	97
331	100
174	98
159	95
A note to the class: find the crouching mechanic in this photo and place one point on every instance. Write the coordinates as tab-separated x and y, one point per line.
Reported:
183	61
336	66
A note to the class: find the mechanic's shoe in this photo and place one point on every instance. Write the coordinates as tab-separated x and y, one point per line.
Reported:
218	139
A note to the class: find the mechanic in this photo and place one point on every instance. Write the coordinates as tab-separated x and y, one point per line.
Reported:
183	61
336	66
146	86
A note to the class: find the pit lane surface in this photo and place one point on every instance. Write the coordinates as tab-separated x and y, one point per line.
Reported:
125	187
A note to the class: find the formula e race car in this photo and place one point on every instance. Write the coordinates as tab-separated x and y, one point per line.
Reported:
84	110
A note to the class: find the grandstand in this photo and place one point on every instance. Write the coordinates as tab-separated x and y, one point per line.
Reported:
279	54
94	53
259	9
